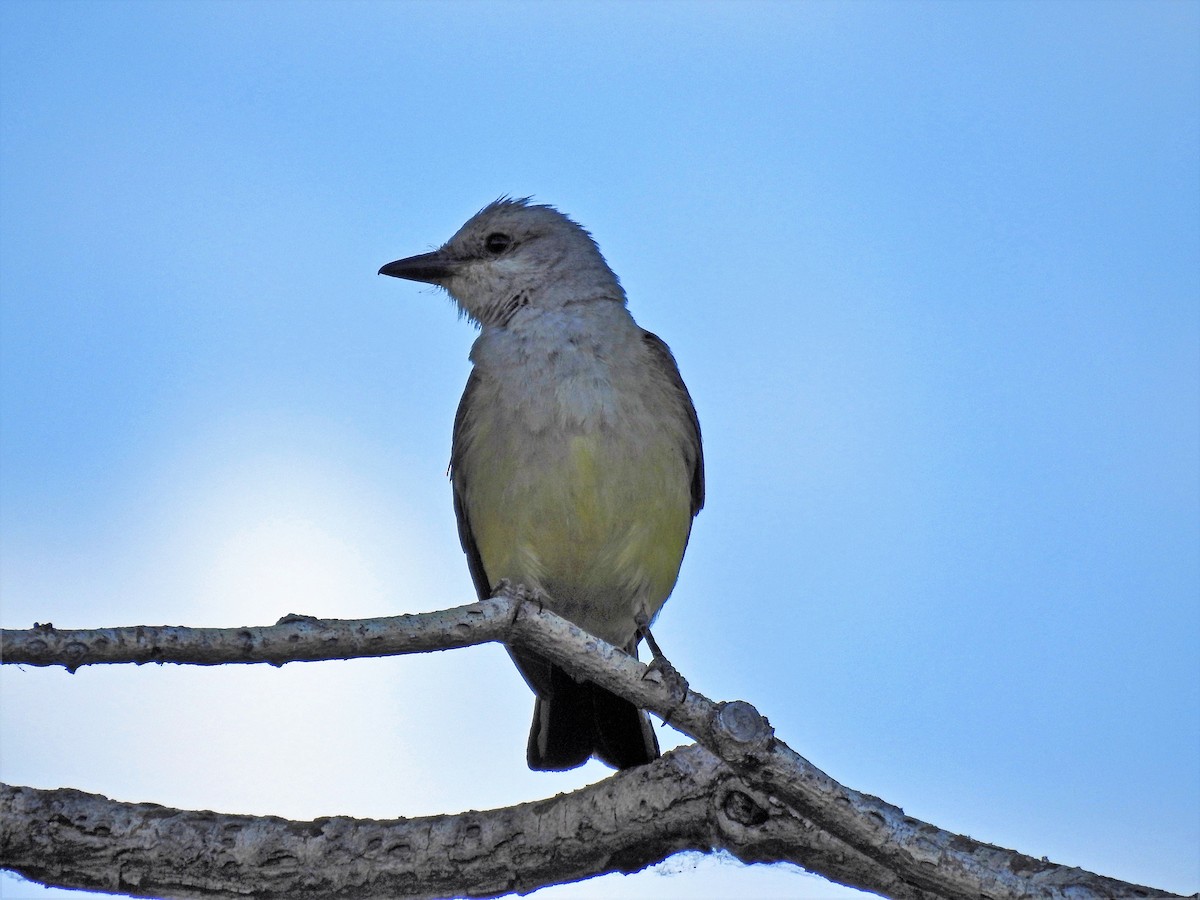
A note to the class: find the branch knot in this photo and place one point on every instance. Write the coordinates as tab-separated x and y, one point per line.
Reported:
741	731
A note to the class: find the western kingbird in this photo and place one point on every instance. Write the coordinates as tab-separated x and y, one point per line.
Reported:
576	460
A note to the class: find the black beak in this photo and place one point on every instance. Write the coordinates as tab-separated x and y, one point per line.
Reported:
432	268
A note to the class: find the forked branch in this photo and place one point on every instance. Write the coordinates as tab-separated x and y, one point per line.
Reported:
746	792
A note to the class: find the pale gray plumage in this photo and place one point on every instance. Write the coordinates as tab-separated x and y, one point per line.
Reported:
576	464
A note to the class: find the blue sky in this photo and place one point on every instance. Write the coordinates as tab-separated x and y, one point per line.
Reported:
931	272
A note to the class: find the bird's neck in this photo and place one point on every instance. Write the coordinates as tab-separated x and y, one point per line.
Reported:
583	349
589	326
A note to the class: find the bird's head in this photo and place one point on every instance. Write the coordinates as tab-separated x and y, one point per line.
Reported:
514	254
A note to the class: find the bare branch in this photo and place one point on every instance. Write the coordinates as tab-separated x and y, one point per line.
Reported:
923	855
924	858
688	800
293	639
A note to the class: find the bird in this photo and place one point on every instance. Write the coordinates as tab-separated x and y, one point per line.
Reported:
576	460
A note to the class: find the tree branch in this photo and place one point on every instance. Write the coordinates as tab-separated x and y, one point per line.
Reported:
688	800
924	861
293	639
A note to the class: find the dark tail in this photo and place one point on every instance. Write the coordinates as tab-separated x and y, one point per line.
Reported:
574	720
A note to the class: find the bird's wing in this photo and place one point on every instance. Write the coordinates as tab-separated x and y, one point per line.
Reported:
693	451
483	585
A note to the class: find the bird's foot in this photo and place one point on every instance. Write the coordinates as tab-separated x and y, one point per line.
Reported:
659	668
520	592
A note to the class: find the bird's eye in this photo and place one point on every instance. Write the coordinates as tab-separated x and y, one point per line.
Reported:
497	243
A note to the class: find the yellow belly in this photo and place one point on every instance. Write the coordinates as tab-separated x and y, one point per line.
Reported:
597	523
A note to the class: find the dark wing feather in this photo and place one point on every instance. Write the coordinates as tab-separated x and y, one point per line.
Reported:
694	449
483	585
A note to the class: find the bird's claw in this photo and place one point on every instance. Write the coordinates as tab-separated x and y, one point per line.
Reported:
659	668
520	592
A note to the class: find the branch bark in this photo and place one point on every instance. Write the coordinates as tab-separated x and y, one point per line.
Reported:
294	638
688	800
786	809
